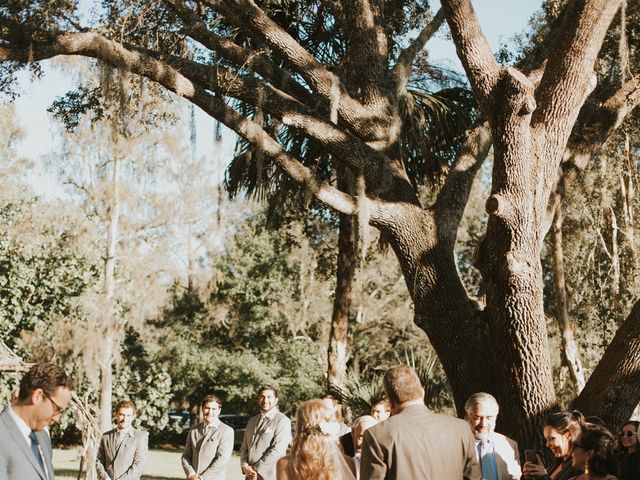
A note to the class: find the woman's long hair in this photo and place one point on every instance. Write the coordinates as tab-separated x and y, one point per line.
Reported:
314	454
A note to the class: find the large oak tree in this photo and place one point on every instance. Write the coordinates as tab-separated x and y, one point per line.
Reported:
260	55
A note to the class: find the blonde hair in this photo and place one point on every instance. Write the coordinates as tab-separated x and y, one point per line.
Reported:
313	454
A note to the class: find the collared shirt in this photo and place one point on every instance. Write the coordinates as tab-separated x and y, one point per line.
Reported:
214	424
270	414
22	426
488	462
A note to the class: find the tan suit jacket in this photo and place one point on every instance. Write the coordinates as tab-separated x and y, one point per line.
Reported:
208	453
507	457
419	444
125	460
261	449
17	461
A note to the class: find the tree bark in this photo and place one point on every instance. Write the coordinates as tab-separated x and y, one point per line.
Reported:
613	390
570	353
337	354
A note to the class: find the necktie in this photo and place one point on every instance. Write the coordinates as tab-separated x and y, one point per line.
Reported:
261	422
259	426
35	448
485	454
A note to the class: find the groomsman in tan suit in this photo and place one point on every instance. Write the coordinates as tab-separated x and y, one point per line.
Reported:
209	444
123	450
266	438
498	455
415	443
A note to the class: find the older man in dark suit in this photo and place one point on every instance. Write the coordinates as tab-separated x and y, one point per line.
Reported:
25	448
415	442
123	450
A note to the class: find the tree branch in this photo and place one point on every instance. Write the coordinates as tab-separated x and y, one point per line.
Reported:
345	146
613	390
402	69
454	194
379	172
569	77
252	17
593	131
368	49
254	134
257	61
473	50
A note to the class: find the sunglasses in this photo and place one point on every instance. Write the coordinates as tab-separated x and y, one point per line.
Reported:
628	433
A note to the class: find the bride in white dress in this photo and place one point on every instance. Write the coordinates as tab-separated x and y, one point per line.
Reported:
315	454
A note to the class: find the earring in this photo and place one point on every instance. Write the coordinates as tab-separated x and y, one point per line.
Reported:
586	469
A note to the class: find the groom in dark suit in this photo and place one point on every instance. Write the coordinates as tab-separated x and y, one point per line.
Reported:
415	442
123	450
25	448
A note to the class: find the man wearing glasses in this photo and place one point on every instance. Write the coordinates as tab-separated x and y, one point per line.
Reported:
25	448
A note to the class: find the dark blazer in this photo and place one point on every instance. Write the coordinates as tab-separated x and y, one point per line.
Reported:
419	444
346	441
629	464
17	461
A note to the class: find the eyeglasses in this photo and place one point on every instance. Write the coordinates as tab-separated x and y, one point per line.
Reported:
628	433
58	410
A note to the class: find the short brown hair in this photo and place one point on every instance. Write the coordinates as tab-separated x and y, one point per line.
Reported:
402	384
125	404
268	387
210	398
46	376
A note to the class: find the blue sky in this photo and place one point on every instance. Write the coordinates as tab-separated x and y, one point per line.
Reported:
500	19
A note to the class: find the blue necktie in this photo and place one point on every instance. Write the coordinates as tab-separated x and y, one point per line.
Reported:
36	450
487	462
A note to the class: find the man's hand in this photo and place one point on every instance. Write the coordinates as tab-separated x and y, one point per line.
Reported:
195	476
249	472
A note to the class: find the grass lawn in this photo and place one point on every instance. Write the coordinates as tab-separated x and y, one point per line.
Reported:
161	465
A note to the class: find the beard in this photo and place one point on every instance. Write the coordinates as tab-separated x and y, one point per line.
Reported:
481	435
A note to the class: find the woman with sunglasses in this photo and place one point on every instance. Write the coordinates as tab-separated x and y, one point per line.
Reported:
560	430
629	468
594	452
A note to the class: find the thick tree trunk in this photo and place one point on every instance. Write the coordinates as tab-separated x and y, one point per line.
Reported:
337	353
442	307
570	354
613	389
